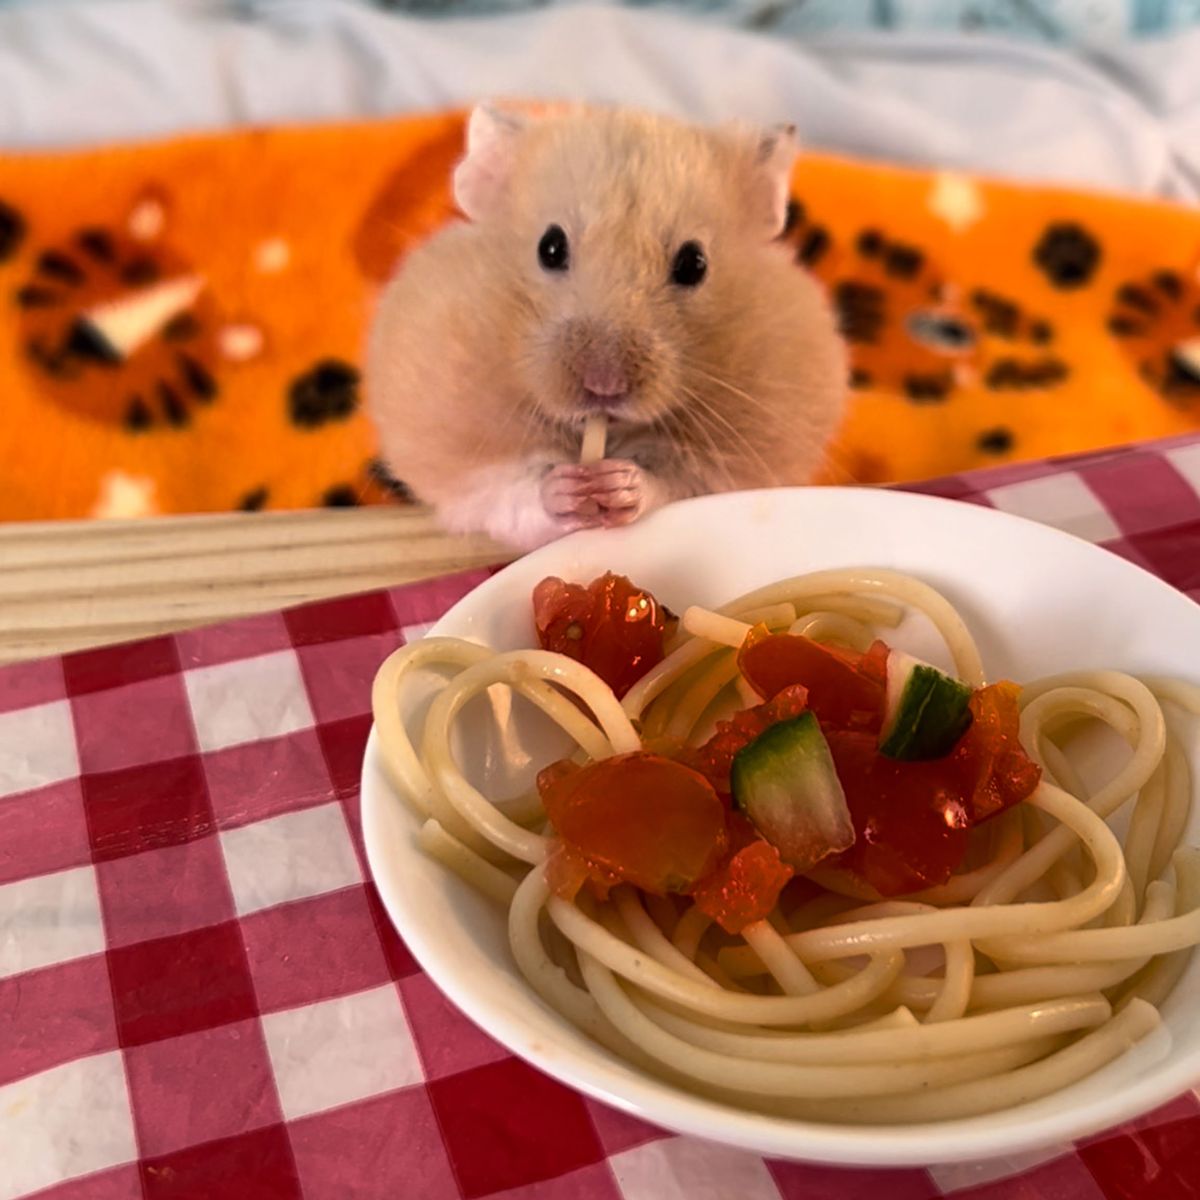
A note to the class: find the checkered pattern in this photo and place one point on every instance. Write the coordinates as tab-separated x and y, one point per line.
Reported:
201	996
1141	502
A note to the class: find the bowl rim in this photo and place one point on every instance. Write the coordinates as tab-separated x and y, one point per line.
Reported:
604	1078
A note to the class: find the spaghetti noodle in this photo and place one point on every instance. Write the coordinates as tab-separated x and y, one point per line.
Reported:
1033	967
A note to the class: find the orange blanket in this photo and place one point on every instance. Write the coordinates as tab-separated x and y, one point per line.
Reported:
181	324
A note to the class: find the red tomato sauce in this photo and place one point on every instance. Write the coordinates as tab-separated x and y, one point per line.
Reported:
664	822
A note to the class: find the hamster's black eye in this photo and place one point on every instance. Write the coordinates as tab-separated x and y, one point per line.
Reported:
690	265
553	252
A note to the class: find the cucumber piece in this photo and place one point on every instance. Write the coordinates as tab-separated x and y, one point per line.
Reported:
926	710
786	783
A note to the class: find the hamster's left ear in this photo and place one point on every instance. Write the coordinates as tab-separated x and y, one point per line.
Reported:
483	174
763	160
767	159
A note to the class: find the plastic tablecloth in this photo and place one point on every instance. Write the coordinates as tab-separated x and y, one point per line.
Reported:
200	993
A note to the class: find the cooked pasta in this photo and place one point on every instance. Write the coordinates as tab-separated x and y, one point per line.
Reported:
1041	959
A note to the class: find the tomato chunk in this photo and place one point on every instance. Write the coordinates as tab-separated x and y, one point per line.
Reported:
567	871
845	690
911	823
745	887
637	818
714	759
611	626
990	755
912	819
873	663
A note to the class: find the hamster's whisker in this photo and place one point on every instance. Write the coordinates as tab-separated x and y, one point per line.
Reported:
538	425
713	436
741	439
703	367
830	452
491	433
839	472
835	459
741	393
696	420
677	430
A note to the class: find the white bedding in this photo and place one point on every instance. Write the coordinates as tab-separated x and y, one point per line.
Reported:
90	71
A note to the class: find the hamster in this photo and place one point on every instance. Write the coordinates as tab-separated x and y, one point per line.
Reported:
610	261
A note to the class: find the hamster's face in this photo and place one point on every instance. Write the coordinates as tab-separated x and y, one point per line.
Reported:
632	256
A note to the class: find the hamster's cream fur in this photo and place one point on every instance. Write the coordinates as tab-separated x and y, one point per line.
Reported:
484	361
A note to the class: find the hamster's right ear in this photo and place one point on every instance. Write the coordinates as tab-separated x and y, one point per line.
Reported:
484	171
775	157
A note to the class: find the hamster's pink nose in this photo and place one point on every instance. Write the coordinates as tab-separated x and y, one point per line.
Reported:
604	376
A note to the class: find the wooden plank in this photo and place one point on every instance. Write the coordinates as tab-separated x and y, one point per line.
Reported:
71	584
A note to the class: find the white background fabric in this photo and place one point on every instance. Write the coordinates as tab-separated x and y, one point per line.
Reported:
96	70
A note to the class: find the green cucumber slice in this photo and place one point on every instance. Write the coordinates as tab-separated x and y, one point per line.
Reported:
786	783
926	710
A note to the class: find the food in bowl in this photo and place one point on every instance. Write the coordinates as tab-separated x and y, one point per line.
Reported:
874	892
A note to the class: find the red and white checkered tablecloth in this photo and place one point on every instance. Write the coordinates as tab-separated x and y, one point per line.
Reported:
201	996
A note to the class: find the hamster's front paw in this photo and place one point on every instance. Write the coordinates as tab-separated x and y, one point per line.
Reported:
620	490
609	492
567	497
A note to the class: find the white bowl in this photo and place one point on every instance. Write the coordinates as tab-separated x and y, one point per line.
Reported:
1037	600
